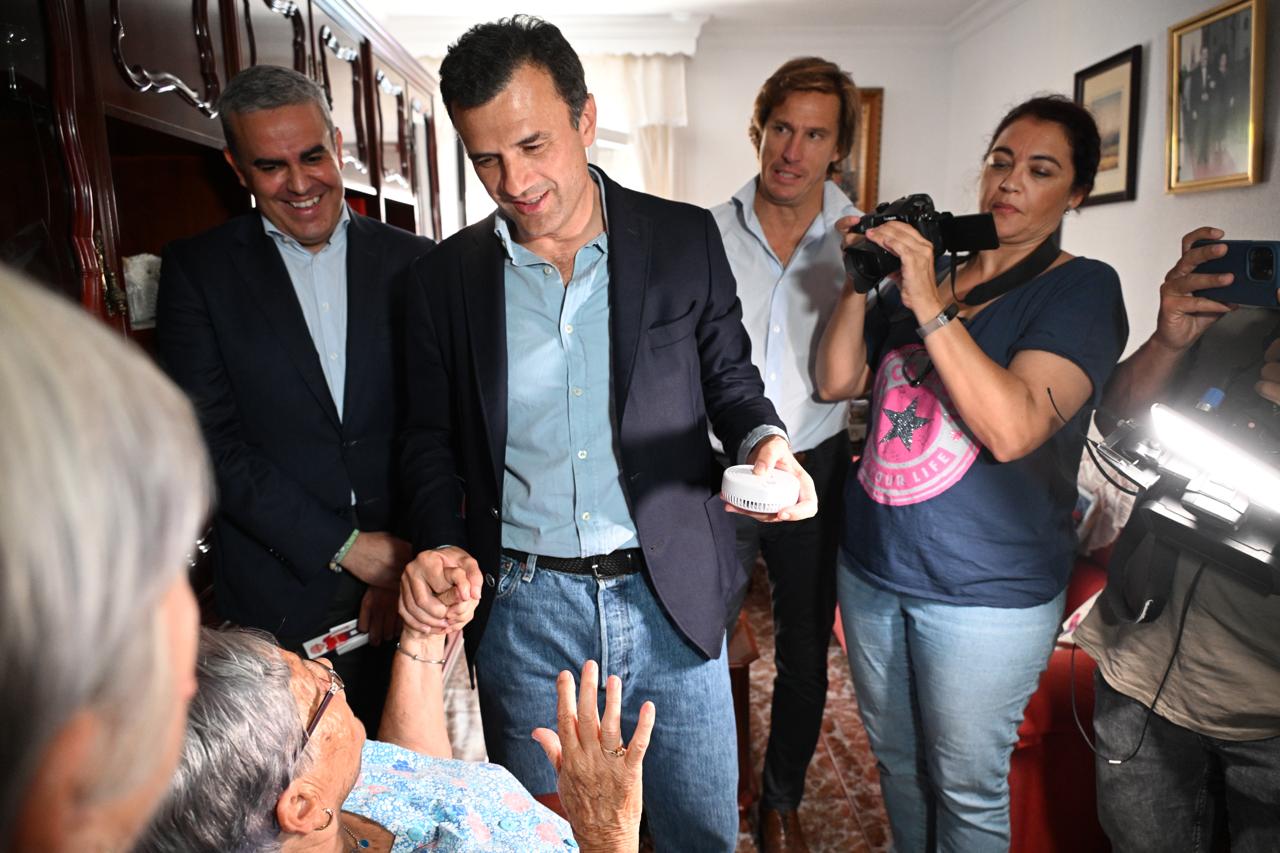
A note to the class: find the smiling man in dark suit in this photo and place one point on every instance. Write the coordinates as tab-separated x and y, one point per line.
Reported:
565	357
282	327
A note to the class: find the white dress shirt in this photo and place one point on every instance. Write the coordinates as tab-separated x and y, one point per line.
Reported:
785	309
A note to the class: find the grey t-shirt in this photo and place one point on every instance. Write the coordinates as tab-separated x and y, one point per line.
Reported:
1225	682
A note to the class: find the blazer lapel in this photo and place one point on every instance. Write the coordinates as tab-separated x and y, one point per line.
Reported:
484	297
629	237
366	311
267	278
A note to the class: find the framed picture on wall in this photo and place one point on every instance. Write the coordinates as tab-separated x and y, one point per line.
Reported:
1215	98
860	171
1110	90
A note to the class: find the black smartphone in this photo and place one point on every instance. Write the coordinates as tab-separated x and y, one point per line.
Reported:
1253	263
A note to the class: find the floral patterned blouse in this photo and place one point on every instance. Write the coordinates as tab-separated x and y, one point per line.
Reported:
444	805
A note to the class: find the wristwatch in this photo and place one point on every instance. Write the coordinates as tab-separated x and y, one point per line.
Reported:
945	316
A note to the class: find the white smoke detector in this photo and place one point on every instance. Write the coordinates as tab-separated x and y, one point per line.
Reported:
766	493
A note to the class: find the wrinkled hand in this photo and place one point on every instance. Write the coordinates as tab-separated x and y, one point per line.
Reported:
1269	385
1183	315
773	451
440	590
917	279
378	558
602	794
378	616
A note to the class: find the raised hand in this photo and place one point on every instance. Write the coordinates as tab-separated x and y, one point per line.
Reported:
600	780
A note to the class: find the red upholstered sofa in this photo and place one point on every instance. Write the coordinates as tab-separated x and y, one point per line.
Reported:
1051	776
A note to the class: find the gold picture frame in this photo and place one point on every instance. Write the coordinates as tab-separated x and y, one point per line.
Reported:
1215	98
860	172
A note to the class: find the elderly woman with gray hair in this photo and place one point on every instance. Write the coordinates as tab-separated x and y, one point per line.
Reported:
276	761
105	489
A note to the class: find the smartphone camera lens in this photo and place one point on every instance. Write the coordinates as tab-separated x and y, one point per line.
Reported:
1262	263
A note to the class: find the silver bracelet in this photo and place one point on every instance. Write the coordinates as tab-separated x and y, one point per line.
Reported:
410	654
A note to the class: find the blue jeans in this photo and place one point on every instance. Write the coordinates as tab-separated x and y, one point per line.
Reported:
942	689
543	622
1169	797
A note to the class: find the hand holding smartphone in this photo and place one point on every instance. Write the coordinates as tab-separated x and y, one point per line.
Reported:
1253	264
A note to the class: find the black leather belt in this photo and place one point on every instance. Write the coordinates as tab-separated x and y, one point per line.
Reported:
624	562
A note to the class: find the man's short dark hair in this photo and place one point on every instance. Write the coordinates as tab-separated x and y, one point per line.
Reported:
809	74
480	64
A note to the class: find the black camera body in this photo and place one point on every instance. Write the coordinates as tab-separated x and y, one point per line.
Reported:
867	263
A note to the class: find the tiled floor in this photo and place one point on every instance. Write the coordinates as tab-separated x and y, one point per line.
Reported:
842	810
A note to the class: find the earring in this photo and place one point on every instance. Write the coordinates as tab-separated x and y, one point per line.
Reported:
329	812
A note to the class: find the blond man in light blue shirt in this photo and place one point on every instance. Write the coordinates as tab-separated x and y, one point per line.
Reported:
780	238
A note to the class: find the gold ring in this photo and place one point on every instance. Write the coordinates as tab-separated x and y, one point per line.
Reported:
616	753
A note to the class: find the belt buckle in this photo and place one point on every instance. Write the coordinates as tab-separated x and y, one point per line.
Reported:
595	567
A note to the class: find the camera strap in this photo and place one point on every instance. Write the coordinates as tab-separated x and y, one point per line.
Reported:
1016	276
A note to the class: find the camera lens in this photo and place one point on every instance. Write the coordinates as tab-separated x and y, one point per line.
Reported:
1261	263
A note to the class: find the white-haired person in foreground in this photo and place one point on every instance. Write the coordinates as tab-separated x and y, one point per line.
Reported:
276	761
105	489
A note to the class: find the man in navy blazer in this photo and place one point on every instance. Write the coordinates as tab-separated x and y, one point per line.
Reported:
282	326
565	357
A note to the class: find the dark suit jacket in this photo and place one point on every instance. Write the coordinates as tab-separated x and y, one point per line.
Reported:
680	358
230	331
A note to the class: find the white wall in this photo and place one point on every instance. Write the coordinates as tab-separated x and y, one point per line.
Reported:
1039	45
732	62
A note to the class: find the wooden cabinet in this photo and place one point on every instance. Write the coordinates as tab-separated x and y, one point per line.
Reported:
108	107
341	66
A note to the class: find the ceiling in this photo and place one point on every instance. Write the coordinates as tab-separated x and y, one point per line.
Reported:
930	14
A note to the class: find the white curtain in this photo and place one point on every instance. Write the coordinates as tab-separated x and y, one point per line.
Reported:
644	97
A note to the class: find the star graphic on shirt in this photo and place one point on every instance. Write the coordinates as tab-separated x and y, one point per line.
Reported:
905	424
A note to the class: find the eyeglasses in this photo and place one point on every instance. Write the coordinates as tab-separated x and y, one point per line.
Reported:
335	684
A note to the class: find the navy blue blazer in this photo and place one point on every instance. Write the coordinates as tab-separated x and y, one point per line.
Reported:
231	333
680	360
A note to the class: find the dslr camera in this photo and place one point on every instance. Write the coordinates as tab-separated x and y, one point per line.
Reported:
867	263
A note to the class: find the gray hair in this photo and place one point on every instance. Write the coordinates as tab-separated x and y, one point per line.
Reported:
106	484
269	87
243	746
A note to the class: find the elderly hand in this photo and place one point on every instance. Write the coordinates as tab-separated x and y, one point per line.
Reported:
378	616
440	590
917	279
773	451
599	780
1184	316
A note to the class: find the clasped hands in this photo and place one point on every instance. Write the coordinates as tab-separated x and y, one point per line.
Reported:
599	780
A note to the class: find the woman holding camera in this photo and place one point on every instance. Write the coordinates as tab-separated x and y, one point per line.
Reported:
958	537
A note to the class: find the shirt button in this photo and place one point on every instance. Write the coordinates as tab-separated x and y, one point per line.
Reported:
772	376
577	392
324	306
582	454
546	270
333	356
568	328
777	329
586	516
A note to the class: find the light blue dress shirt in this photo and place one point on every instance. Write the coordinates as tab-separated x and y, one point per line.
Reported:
320	282
785	309
562	487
